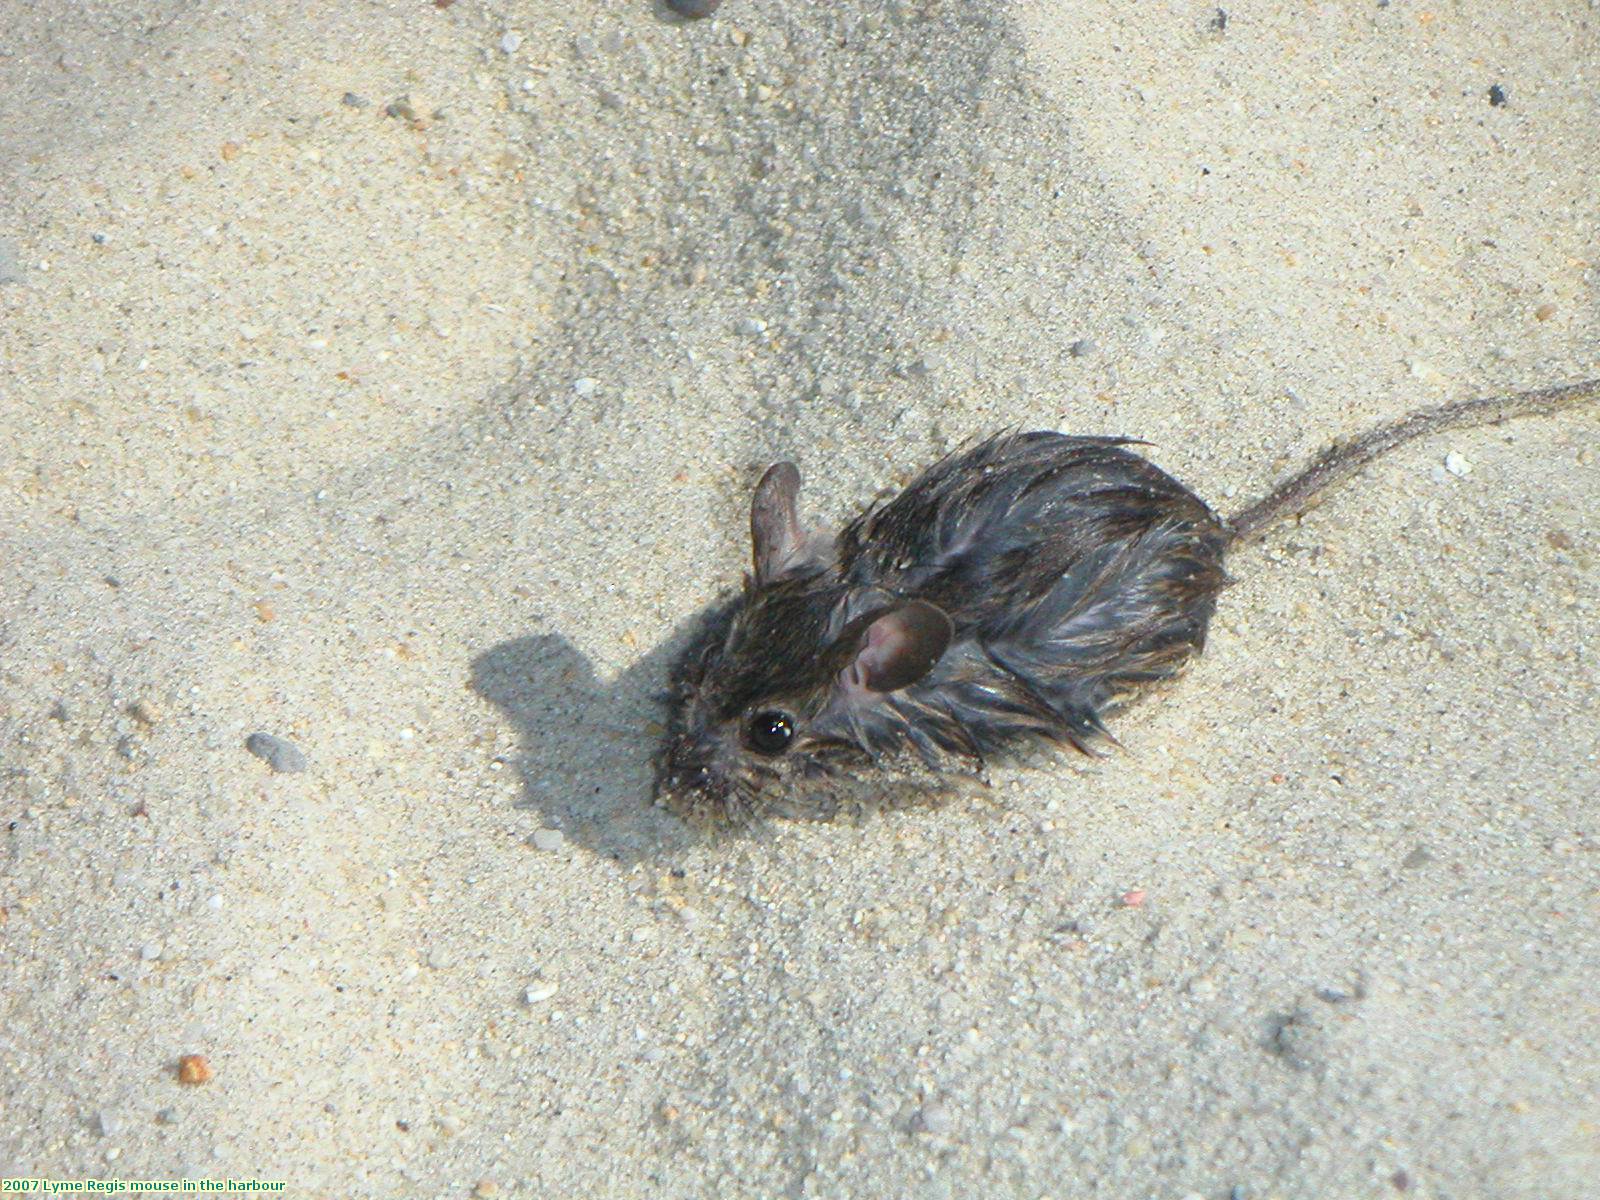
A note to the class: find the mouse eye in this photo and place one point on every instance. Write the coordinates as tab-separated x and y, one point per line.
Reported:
770	731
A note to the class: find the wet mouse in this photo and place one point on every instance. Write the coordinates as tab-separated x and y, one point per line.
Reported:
1011	597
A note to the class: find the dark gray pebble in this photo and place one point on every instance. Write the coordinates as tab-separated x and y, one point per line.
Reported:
1497	95
694	8
351	100
283	757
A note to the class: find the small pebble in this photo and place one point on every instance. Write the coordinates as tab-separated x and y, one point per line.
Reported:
108	1123
538	993
510	43
146	712
694	9
1497	95
584	386
933	1118
351	100
150	951
485	1188
1419	857
752	326
1458	465
167	1116
282	756
1132	899
1081	348
193	1069
1544	312
547	839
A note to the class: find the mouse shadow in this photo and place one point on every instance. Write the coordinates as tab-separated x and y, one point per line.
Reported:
587	746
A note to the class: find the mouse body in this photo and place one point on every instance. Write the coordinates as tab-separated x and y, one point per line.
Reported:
1012	596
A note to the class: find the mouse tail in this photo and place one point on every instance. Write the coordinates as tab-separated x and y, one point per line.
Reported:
1341	460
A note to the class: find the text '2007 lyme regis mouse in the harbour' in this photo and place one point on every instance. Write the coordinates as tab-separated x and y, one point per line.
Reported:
1012	595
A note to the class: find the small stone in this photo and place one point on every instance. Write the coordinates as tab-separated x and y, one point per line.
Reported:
1425	371
168	1116
150	951
146	712
1081	348
539	991
1296	1038
510	43
1132	899
1544	312
547	839
193	1069
1419	857
351	100
694	9
751	326
1458	465
230	151
585	386
485	1188
108	1123
933	1117
1497	95
282	756
440	958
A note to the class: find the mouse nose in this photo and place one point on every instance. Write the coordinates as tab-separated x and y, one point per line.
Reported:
688	766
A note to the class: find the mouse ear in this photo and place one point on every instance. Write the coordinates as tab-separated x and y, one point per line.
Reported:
775	535
899	648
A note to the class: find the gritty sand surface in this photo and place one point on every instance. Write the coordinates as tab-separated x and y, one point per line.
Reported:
415	429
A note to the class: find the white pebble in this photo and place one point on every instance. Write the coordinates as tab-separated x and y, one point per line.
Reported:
1457	464
584	386
150	951
539	992
934	1118
510	43
752	326
547	839
108	1123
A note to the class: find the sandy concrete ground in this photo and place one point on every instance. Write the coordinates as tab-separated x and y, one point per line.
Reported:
391	379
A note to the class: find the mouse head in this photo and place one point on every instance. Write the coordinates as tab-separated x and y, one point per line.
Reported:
801	674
